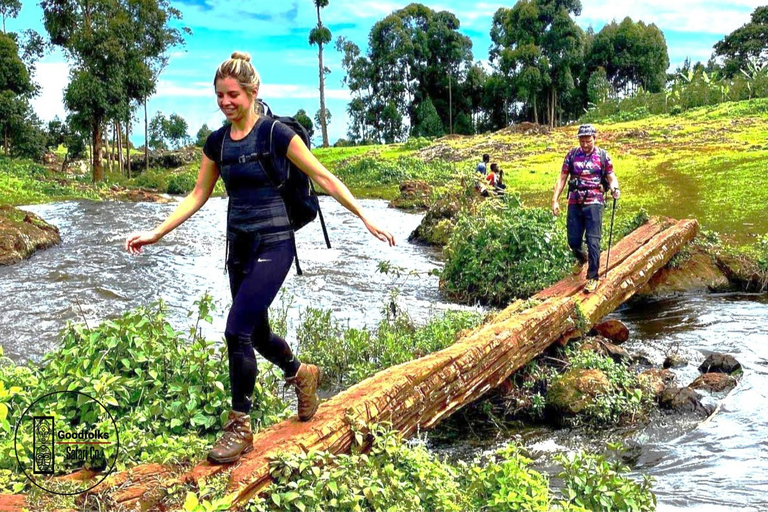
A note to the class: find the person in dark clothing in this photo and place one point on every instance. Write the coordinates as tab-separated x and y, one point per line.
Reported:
585	168
260	242
482	167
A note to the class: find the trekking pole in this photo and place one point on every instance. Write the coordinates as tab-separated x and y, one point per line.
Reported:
610	239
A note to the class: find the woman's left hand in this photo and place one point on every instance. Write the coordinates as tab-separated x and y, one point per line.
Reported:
381	234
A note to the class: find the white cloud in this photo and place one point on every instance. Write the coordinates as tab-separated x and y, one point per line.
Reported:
166	88
300	92
53	78
681	15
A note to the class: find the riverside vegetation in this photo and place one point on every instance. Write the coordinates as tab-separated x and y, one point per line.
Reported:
169	391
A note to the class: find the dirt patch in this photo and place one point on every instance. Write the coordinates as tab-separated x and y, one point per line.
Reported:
526	128
441	151
22	234
414	195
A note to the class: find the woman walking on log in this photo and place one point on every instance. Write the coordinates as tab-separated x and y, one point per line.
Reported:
260	242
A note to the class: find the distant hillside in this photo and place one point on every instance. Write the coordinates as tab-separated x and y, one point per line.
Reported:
708	163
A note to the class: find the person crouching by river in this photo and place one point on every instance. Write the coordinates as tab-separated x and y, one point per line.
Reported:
588	170
261	247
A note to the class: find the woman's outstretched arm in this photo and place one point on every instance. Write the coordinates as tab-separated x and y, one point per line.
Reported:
206	180
300	155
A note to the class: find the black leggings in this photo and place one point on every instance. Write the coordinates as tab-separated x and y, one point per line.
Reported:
256	273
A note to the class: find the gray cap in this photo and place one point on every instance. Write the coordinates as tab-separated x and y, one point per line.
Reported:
587	130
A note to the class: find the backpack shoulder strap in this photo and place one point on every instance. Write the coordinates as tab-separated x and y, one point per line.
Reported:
570	159
603	160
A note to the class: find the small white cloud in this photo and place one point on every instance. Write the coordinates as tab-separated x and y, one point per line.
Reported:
680	15
300	92
166	88
53	78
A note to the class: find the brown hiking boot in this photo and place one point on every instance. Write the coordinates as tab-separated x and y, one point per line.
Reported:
591	285
306	381
236	440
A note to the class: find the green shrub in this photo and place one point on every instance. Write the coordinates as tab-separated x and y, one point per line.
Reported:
504	251
348	355
626	398
26	182
369	171
169	394
416	143
181	183
594	483
505	482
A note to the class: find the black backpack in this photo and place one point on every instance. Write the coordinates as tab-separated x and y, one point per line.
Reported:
295	187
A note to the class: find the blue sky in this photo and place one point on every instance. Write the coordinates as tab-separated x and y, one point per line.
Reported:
275	34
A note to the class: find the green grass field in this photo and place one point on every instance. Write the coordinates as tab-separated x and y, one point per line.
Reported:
708	163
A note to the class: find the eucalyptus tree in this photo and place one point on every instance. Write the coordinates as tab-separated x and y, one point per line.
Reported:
9	9
632	54
16	87
414	53
303	119
321	36
357	78
114	46
537	48
747	43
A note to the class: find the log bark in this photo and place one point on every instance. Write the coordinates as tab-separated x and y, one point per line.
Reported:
418	394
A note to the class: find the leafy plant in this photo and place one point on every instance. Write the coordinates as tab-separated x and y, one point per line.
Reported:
593	482
504	251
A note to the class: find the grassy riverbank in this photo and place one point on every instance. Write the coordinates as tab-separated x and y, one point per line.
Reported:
705	163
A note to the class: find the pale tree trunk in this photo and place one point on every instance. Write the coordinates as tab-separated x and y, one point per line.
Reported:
119	146
323	120
535	112
128	146
450	105
146	137
107	148
98	166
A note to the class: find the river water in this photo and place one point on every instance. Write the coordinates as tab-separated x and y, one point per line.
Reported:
89	275
719	465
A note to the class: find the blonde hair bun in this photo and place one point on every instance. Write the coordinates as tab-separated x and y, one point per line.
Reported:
241	56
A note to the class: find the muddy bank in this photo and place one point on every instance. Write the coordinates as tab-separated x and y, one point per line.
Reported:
22	234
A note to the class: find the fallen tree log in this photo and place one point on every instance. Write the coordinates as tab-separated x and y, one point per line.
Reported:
418	394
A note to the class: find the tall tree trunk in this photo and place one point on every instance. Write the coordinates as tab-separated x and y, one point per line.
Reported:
146	137
323	120
119	146
535	112
98	167
107	149
128	145
450	105
5	141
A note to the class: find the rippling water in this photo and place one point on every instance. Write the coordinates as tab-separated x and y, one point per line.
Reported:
719	465
722	464
90	266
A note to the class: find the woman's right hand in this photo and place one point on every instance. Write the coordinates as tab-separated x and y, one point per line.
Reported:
136	241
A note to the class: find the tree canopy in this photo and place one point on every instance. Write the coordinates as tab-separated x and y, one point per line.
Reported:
750	41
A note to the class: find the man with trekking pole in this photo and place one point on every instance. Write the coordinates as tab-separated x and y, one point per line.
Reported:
588	171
